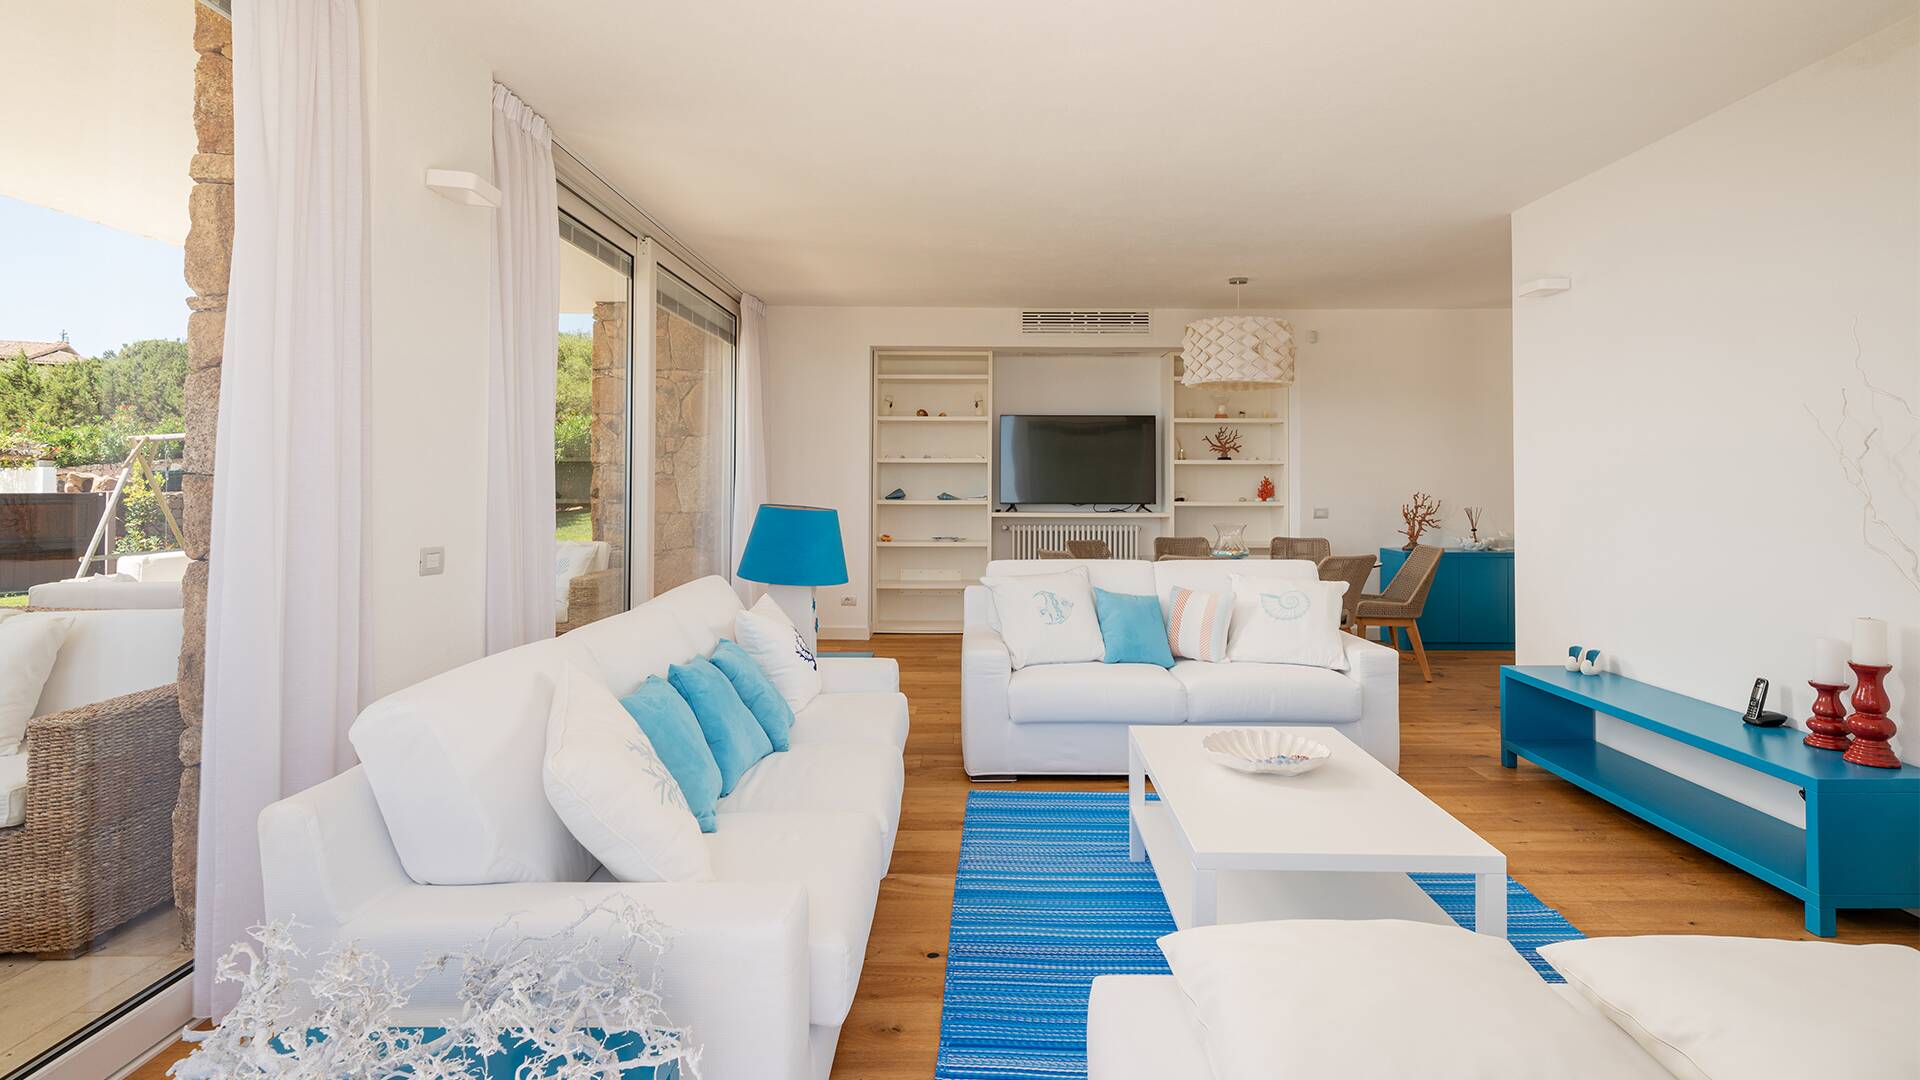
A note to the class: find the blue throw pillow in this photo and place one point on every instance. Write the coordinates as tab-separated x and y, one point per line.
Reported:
735	737
757	691
1134	629
670	726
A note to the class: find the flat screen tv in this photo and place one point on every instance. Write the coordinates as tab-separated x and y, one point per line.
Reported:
1078	460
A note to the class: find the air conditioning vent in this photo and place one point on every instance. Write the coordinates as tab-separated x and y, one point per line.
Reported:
1086	322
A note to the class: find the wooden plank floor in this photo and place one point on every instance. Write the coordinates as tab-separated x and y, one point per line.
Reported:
1607	872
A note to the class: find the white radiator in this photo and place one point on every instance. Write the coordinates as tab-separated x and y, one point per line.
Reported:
1028	541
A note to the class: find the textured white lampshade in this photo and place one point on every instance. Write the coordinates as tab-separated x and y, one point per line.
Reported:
1237	352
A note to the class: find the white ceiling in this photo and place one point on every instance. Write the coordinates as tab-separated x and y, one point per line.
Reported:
1126	152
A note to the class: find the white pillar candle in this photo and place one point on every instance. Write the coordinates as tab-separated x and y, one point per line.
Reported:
1870	643
1830	661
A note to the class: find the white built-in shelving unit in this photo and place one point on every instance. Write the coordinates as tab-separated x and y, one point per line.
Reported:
1207	491
918	578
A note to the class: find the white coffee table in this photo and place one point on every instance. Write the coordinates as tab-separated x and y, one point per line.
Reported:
1335	843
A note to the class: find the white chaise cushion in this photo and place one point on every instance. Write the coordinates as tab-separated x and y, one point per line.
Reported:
769	636
835	857
617	797
13	789
1380	999
841	776
1287	621
29	645
1266	693
455	764
111	652
1095	693
1708	1008
1047	618
864	717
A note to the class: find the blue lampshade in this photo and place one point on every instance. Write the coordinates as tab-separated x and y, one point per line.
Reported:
795	545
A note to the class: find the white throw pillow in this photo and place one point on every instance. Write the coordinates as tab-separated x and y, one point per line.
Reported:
29	644
570	560
1048	618
770	637
1709	1008
1283	621
613	792
1380	999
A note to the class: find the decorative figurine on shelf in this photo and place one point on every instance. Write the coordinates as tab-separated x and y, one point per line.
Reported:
1225	443
1590	662
1179	451
886	538
886	406
919	412
1573	659
1220	409
1264	492
1473	523
943	412
1421	514
979	407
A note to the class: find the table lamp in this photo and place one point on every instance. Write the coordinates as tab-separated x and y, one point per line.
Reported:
792	550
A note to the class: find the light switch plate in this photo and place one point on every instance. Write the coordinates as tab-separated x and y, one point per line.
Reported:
433	560
1319	513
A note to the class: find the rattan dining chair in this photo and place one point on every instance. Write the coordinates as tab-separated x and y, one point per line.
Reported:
1056	555
1182	547
1089	549
1352	569
1310	548
1399	607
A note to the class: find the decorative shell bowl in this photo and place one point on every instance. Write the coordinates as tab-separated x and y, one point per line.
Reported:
1275	751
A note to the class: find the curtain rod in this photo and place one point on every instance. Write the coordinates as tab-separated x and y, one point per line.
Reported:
652	229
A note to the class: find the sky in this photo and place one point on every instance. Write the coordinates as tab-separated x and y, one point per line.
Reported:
102	286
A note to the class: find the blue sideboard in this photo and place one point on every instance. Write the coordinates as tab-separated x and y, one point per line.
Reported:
1863	824
1471	605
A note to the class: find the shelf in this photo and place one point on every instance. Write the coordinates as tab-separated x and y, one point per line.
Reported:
1236	461
1105	515
1230	421
916	626
930	502
932	419
932	378
922	585
963	545
1274	505
930	461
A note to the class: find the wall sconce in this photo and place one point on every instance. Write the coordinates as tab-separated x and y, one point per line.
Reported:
1545	286
465	188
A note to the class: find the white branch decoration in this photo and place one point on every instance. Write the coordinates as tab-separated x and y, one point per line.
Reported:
537	997
1866	443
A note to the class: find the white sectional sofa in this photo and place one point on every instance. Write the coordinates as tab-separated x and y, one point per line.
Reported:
1071	719
444	831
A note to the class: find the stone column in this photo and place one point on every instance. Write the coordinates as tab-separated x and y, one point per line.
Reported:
209	253
607	440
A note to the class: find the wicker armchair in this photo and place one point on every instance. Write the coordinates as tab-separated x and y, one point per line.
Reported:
1400	606
1310	548
591	597
1352	569
96	848
1089	549
1182	547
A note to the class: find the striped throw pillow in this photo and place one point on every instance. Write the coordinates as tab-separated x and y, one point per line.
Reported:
1197	624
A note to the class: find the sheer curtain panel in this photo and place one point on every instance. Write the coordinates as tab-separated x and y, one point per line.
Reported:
749	435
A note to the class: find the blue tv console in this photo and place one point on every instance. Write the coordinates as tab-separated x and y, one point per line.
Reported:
1861	846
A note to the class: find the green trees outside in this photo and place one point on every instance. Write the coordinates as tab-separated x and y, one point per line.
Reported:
573	397
83	413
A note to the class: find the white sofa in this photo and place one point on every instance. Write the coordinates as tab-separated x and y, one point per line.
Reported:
1071	719
444	831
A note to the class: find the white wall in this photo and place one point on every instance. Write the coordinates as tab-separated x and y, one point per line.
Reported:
1677	501
1387	402
428	104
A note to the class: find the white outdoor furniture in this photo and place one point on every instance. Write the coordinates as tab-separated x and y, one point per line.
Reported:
765	958
1071	719
1335	843
138	581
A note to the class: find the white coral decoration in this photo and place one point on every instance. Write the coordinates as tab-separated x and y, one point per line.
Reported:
541	993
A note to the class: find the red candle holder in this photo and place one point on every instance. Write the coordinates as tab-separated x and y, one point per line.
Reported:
1869	725
1827	727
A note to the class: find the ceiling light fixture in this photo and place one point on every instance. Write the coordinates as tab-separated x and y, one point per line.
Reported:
1237	352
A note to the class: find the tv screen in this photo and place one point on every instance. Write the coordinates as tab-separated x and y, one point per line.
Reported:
1078	459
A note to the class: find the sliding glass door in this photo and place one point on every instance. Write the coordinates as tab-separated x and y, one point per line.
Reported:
693	361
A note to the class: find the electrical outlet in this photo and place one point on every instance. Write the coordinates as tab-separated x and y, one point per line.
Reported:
849	601
433	560
1320	513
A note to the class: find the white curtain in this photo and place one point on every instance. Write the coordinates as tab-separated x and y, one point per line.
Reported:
749	434
284	649
525	329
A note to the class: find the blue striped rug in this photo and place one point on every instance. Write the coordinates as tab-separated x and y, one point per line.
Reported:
1046	899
